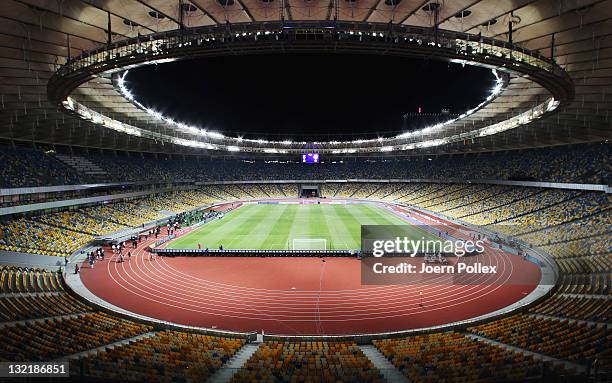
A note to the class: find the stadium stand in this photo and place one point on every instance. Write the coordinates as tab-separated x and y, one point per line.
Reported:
308	362
571	325
586	284
594	309
31	236
271	191
559	337
29	167
112	147
15	308
15	280
51	338
584	163
167	356
40	321
62	233
82	219
453	357
581	163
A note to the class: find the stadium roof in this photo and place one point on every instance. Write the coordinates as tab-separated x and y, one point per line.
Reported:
37	37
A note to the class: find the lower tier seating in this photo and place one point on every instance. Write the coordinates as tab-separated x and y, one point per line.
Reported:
561	338
53	338
308	362
15	279
578	307
168	356
453	357
14	308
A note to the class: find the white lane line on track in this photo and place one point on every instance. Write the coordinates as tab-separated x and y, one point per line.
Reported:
147	268
164	273
445	300
398	289
196	281
318	317
173	301
189	280
434	280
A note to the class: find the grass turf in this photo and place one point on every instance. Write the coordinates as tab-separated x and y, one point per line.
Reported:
273	227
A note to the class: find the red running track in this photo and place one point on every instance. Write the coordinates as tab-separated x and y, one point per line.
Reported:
298	296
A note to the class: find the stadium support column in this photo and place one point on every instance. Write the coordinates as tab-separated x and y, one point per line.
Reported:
68	47
181	15
108	29
436	10
510	27
336	10
552	47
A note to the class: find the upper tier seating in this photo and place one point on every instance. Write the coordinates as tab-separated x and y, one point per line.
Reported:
586	163
28	167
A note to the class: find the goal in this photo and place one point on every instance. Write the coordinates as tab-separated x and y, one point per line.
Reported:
309	244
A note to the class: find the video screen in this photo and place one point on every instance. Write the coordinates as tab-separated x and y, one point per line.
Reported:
310	158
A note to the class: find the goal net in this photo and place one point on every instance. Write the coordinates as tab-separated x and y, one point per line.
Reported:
309	244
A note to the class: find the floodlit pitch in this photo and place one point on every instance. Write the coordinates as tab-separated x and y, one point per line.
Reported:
276	227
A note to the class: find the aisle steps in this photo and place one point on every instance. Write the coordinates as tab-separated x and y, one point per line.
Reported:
225	373
83	166
535	355
110	346
391	374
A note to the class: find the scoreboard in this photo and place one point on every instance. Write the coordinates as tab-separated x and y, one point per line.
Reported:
310	158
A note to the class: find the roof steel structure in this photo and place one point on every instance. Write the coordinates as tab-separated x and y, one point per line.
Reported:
41	36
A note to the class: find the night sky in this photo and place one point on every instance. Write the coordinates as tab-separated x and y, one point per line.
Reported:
309	96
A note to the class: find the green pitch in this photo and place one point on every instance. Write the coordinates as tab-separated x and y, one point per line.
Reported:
274	227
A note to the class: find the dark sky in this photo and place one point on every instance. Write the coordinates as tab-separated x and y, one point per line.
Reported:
309	96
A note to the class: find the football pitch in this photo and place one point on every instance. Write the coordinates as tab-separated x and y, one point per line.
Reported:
290	226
